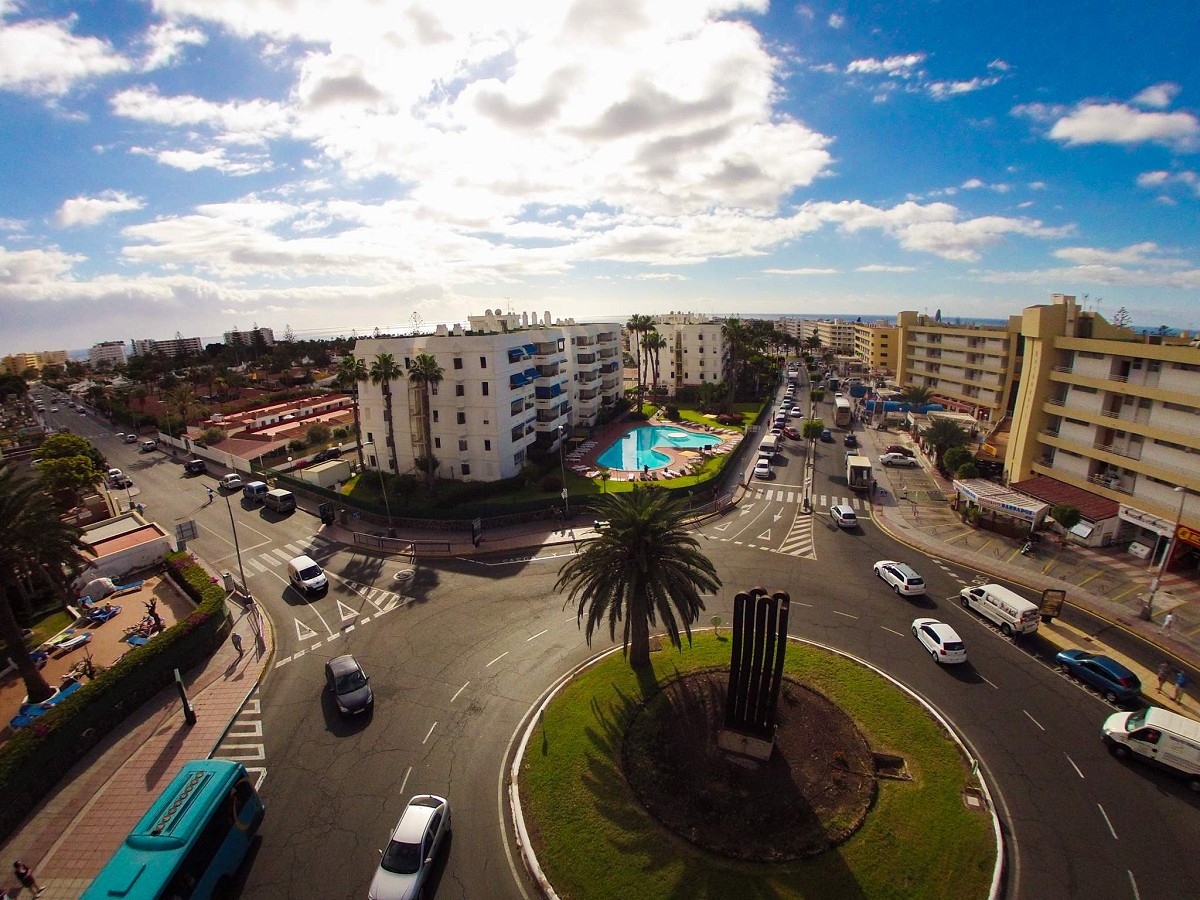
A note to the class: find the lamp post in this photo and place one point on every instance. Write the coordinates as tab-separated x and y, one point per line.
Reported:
236	547
383	490
1148	606
562	442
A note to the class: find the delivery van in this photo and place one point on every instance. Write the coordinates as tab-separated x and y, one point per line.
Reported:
255	491
769	447
1008	609
1159	737
279	500
306	575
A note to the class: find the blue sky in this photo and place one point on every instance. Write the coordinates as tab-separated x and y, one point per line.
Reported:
199	165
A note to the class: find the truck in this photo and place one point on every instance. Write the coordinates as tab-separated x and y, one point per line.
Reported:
1158	736
769	447
327	474
858	473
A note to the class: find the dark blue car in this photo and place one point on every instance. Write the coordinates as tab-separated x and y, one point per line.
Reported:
1115	683
827	436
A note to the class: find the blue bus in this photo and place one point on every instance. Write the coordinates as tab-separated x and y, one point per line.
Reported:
190	842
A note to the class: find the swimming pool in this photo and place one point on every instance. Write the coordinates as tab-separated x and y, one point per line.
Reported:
634	450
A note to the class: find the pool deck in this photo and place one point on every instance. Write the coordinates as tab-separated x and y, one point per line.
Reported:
582	459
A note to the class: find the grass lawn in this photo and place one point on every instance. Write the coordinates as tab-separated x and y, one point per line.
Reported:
595	842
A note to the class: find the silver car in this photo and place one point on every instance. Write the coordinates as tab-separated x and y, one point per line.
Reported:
414	845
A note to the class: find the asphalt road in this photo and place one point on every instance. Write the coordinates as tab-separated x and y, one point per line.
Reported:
460	650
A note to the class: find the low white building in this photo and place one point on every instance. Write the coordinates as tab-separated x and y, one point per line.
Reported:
508	381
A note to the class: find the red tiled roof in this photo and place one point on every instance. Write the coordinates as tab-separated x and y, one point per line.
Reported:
1091	506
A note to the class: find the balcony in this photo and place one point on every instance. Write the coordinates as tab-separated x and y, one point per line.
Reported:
1114	482
1126	452
585	359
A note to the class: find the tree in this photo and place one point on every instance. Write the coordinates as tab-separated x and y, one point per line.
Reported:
955	457
736	336
33	540
1066	516
637	325
966	470
351	372
182	400
653	342
73	473
643	568
65	446
917	394
1121	318
944	434
425	373
212	435
383	371
318	433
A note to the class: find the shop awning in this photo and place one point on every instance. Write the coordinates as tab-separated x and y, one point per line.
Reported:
987	495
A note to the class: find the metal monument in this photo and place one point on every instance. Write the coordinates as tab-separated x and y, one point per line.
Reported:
755	671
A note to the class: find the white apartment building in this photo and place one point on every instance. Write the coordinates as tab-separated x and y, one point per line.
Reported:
695	353
246	338
509	381
836	334
107	352
179	346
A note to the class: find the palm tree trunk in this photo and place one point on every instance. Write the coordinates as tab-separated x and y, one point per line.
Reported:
36	686
639	640
427	437
358	430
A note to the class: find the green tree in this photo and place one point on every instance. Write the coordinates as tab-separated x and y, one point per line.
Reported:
351	372
34	541
653	342
318	433
383	371
212	435
637	326
956	457
424	374
737	344
812	428
917	394
1066	516
943	435
73	473
65	446
644	568
966	470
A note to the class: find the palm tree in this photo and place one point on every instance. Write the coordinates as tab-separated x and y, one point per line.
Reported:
33	540
351	371
383	371
944	434
426	373
643	567
638	324
917	394
653	342
736	336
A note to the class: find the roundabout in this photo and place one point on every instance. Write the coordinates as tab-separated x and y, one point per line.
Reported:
622	792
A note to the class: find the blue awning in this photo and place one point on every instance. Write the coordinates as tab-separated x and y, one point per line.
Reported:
532	373
531	349
517	380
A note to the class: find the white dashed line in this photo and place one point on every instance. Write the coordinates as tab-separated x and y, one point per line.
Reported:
893	631
497	659
1111	830
429	733
847	615
538	635
1033	720
459	691
1073	766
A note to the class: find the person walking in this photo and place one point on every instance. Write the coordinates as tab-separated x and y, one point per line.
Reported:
211	495
26	877
1180	681
1164	672
236	640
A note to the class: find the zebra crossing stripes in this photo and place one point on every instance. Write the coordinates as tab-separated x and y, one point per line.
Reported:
799	541
277	556
853	502
242	741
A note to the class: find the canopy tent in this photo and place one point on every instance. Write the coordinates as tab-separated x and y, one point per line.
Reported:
1001	500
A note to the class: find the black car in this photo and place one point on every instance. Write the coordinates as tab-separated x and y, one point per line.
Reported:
350	686
195	467
850	441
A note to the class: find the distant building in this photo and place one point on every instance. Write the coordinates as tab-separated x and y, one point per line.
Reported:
509	382
107	352
877	346
695	353
834	334
246	338
170	348
18	363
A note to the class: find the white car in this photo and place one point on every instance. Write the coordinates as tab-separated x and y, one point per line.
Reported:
412	849
231	482
942	641
796	412
844	517
901	576
897	459
762	469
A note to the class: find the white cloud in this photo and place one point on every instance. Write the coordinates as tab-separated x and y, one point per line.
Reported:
1146	253
165	43
836	21
942	90
1138	265
25	268
43	58
1117	123
801	271
972	183
1040	112
242	121
213	158
1157	96
999	65
1161	179
879	267
92	210
902	66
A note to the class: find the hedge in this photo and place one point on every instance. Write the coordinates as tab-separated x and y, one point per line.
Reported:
37	756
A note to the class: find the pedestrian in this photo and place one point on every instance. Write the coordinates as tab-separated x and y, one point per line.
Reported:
1166	623
236	640
1164	672
1180	681
211	495
26	877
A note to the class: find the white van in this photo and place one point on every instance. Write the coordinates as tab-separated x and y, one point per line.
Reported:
255	491
306	575
1008	609
769	447
279	500
1160	737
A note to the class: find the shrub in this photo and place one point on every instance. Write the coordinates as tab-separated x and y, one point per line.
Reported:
550	483
637	416
672	413
341	433
729	419
212	436
297	445
318	434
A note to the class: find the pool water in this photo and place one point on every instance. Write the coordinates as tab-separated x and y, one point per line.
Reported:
634	450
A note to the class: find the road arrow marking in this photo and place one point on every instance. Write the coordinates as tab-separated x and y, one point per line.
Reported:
748	509
722	526
778	516
303	632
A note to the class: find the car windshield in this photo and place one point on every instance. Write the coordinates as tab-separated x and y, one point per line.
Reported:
310	573
401	858
349	682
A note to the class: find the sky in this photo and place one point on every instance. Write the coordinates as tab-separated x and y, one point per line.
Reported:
195	166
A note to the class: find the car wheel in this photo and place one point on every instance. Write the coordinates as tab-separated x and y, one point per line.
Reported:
1120	751
933	653
914	631
1006	630
1065	669
896	588
963	600
1110	696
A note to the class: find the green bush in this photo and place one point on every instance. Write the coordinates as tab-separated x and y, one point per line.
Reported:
672	413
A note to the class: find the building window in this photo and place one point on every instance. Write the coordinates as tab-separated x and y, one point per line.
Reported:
486	389
462	445
462	418
466	468
460	390
435	415
483	362
519	457
458	362
487	445
437	443
433	388
370	437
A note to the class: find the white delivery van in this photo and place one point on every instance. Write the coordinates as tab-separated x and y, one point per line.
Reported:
1160	737
306	575
769	447
279	500
1008	609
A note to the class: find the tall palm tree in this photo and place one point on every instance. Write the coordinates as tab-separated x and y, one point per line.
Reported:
644	567
653	342
425	373
917	394
736	336
638	325
383	371
943	434
352	371
33	540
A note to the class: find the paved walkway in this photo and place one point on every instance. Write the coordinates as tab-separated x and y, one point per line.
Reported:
70	836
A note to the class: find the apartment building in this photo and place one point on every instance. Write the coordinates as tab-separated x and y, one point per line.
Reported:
246	338
695	353
969	368
177	346
877	346
508	381
1117	414
18	363
836	334
110	353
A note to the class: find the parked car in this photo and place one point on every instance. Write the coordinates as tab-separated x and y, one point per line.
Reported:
791	433
232	482
850	441
796	412
898	459
350	686
942	641
131	438
327	454
901	576
1115	682
844	516
414	845
762	469
148	446
897	448
195	467
827	436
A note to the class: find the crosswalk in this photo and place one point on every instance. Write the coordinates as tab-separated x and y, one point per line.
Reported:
243	741
280	556
820	501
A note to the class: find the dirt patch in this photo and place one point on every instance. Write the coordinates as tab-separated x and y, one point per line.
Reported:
813	793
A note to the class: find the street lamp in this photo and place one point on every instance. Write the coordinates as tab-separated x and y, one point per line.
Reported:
382	488
236	547
562	442
1148	606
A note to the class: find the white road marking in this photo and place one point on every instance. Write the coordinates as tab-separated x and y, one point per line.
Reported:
1111	830
282	662
404	780
847	615
429	733
1033	720
365	620
243	751
241	729
350	628
459	691
346	612
1073	766
1133	884
538	635
987	680
315	647
893	631
303	632
497	659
